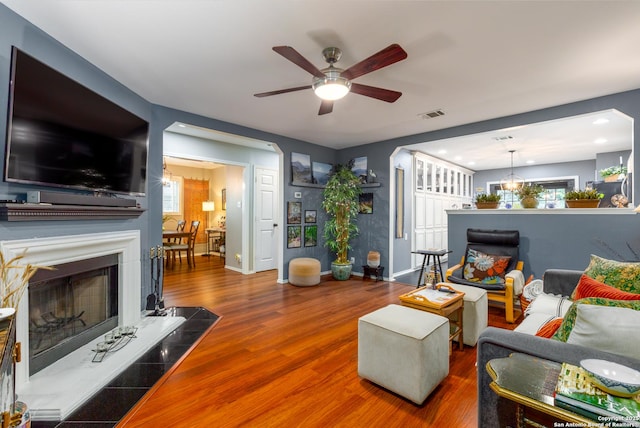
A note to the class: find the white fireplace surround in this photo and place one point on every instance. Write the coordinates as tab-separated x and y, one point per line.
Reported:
52	251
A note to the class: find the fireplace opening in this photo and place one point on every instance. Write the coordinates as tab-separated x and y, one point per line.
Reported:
70	306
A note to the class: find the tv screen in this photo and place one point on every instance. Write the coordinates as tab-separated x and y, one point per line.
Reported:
62	134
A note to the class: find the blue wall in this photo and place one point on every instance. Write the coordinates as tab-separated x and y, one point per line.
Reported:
375	228
552	239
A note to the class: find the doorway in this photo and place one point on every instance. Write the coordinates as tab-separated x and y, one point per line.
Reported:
235	166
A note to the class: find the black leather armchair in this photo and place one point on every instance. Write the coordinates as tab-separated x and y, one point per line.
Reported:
495	242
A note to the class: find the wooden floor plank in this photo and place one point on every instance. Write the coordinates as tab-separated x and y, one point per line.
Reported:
285	356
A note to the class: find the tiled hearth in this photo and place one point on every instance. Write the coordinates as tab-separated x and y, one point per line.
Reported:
113	401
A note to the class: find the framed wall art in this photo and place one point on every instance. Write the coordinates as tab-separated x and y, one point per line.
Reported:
399	202
294	212
300	168
311	236
294	239
359	168
310	216
365	205
321	172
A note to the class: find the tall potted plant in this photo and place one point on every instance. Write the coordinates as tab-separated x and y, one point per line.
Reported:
340	201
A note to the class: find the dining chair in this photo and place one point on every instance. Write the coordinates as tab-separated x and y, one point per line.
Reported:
188	247
170	242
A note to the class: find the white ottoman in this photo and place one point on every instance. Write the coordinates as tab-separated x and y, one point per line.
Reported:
404	350
475	315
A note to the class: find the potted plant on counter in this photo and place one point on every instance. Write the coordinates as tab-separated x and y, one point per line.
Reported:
528	195
587	198
613	173
340	201
487	200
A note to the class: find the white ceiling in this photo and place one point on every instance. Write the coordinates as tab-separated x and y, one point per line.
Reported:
475	60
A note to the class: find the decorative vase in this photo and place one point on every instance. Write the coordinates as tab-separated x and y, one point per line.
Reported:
529	202
583	203
487	205
341	271
373	259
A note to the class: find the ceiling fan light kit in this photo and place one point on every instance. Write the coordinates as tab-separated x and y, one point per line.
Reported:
333	87
334	83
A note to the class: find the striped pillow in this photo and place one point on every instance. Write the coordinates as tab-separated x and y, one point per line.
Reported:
589	287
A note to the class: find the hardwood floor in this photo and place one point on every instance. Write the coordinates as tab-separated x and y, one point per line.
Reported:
284	356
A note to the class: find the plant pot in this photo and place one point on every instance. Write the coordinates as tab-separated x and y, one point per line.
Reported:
373	259
341	271
611	178
529	202
487	205
583	203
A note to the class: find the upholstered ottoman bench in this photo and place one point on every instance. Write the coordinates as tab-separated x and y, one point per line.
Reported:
404	350
475	315
304	271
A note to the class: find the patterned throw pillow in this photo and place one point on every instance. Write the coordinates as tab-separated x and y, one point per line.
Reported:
589	287
624	276
562	334
485	268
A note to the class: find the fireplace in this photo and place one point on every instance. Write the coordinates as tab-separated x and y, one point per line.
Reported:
123	247
70	306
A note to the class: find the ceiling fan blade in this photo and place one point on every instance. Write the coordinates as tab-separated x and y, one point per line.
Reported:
325	107
387	56
292	55
281	91
377	93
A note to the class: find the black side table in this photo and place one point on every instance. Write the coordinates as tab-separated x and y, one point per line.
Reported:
436	254
373	271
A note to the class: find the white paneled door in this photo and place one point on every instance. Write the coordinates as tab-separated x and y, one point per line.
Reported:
266	219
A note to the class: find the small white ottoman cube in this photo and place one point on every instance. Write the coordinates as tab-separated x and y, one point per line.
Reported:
475	315
404	350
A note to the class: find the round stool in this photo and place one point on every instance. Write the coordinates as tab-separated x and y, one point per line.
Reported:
304	271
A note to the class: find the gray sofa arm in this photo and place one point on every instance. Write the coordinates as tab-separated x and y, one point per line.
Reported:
560	281
498	343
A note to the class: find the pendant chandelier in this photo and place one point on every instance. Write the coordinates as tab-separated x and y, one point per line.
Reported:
511	182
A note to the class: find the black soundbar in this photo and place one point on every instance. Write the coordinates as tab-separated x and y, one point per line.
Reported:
58	198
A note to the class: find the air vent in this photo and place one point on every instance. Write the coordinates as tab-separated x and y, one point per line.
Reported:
503	138
431	114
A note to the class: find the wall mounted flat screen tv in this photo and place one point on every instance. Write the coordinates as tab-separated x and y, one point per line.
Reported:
62	134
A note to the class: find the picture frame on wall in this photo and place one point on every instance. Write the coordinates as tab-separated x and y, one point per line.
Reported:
310	216
365	203
294	238
294	212
321	172
224	199
399	203
300	168
311	235
359	168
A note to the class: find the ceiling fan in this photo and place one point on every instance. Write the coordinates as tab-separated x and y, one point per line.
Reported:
333	83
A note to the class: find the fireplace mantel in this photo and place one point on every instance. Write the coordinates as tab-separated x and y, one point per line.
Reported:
34	212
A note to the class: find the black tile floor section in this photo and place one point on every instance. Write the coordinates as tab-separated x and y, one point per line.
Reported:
112	402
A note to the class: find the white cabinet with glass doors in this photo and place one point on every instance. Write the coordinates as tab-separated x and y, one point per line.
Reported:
437	187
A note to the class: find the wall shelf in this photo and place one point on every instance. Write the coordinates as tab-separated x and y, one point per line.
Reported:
322	186
41	212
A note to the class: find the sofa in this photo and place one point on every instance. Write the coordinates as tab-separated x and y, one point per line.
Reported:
494	411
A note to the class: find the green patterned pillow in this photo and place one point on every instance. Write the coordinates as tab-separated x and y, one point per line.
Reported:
624	276
562	334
